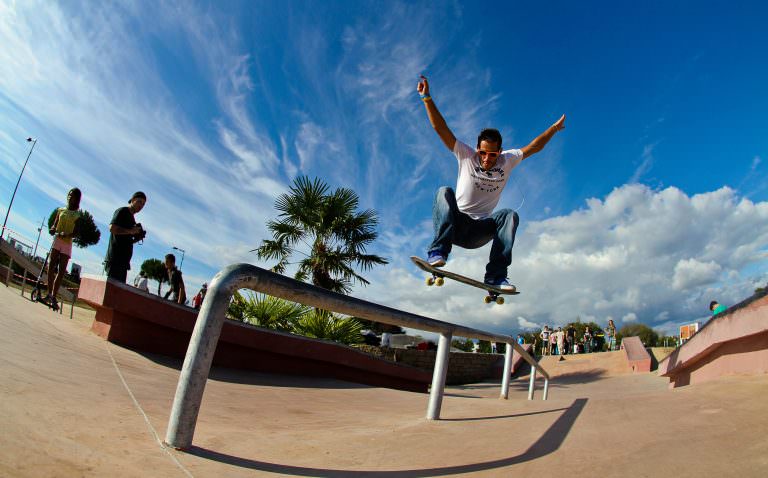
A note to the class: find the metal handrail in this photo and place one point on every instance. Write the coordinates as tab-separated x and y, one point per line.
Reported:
210	320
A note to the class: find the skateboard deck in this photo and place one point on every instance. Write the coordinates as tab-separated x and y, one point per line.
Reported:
494	293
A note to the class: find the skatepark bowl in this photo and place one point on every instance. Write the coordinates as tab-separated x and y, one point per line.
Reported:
75	404
202	345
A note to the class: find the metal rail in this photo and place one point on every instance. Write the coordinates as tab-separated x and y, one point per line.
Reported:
202	345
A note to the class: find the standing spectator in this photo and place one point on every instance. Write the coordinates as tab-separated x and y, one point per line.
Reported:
610	334
141	282
176	291
520	339
544	340
570	337
65	226
560	337
197	301
553	343
124	232
587	340
716	307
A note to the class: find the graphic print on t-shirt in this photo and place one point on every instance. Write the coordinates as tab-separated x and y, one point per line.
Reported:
487	181
477	190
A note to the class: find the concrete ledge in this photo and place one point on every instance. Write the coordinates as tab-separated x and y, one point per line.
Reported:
638	359
733	342
130	317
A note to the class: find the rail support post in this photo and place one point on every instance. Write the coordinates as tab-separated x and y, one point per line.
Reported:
438	377
546	389
197	362
532	383
506	372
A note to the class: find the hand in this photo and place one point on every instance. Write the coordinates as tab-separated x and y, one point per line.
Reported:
423	86
559	124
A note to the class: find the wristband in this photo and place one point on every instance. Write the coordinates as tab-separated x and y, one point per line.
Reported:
425	97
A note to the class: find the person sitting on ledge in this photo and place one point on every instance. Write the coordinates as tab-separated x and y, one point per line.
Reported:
716	307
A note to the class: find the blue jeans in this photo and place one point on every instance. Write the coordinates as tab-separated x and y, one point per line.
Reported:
455	227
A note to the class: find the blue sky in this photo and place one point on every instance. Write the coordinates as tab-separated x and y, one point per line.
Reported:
650	203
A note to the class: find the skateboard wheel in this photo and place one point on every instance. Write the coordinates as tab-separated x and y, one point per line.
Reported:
439	281
499	300
430	281
487	299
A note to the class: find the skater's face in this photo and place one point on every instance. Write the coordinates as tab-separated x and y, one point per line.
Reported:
137	204
489	153
73	200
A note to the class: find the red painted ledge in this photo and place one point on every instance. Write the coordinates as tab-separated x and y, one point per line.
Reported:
638	359
132	318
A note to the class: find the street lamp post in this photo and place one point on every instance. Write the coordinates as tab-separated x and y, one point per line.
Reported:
181	264
34	142
39	232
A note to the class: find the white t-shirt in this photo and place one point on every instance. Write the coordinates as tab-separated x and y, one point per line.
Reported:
478	191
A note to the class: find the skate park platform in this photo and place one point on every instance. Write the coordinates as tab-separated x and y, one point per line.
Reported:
733	342
76	405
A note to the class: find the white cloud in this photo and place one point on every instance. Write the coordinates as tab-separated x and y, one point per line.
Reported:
630	317
639	254
692	273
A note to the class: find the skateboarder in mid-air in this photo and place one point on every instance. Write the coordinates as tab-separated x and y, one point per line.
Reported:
466	217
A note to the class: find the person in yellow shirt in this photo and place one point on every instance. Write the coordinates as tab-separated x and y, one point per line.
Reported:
65	227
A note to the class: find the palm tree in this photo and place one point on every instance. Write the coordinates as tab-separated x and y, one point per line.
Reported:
321	324
266	311
154	269
329	224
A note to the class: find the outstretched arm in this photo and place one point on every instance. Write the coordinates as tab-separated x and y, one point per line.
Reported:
435	118
538	144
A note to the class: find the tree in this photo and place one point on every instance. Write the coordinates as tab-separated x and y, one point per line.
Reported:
154	269
379	327
86	231
330	226
266	311
484	347
465	345
321	324
647	335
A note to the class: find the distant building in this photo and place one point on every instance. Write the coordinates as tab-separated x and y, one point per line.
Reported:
76	270
687	331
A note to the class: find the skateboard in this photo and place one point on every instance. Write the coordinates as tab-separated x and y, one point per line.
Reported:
438	275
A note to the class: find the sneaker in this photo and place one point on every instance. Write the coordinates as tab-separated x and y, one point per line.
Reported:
502	284
436	259
54	303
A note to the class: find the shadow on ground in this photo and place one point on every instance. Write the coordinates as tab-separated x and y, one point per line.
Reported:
549	442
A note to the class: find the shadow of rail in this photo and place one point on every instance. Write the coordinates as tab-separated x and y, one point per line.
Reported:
548	443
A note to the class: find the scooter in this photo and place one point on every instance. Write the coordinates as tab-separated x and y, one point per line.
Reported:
38	293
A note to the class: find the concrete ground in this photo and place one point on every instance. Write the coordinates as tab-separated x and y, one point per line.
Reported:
75	405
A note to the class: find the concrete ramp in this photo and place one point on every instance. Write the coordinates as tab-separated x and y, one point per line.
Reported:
601	364
735	342
638	358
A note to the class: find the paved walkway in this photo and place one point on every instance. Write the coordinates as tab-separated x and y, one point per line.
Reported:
74	405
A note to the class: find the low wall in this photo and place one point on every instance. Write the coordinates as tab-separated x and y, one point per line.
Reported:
733	342
638	359
463	367
127	316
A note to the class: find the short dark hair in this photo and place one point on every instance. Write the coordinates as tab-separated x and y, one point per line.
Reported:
170	257
713	304
76	192
489	134
138	194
